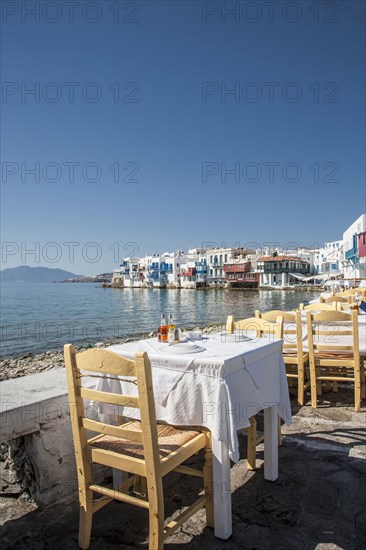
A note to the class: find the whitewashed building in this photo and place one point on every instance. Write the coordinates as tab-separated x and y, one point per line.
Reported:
328	259
128	274
282	270
216	258
193	270
354	249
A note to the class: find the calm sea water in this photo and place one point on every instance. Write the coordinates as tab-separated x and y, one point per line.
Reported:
42	317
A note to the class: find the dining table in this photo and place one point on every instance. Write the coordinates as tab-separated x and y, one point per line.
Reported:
217	382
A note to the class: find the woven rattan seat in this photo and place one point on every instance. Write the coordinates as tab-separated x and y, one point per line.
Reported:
333	355
170	439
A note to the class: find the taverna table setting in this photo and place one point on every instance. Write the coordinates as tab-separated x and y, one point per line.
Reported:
157	402
218	383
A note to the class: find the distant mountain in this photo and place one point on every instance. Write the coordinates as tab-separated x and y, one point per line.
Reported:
26	274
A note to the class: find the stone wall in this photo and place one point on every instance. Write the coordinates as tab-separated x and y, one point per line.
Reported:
35	422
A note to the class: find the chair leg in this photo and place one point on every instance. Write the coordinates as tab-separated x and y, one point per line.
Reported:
279	432
313	386
156	516
140	486
363	385
300	384
85	521
358	389
318	382
208	483
251	444
335	386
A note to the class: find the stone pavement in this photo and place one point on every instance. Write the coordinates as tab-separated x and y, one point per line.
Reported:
318	502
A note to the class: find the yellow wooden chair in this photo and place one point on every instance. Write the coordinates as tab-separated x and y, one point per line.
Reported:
296	360
342	306
261	327
344	299
318	307
331	361
271	330
357	291
142	448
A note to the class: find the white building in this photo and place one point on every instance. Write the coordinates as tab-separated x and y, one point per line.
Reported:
328	259
282	270
193	270
127	275
354	248
216	258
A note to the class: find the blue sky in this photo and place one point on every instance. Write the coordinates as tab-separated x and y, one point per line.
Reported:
298	155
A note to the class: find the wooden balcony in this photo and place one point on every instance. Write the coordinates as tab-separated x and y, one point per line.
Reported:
237	268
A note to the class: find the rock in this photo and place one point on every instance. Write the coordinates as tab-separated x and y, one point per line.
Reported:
9	482
99	344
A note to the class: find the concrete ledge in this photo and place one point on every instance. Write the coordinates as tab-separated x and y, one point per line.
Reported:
30	401
35	419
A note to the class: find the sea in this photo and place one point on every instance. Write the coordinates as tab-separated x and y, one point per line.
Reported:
41	317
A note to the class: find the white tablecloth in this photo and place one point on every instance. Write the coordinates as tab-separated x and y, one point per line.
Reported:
219	388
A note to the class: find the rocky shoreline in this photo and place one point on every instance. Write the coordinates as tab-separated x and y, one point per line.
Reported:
23	365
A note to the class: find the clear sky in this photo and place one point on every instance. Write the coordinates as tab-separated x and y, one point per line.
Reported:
140	96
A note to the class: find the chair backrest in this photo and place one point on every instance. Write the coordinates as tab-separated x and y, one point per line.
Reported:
291	330
332	299
260	326
272	315
100	363
356	291
345	305
324	328
319	307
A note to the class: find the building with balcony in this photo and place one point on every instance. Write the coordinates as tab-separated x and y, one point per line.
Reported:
354	261
159	267
362	244
216	258
282	271
128	274
193	271
239	275
328	259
